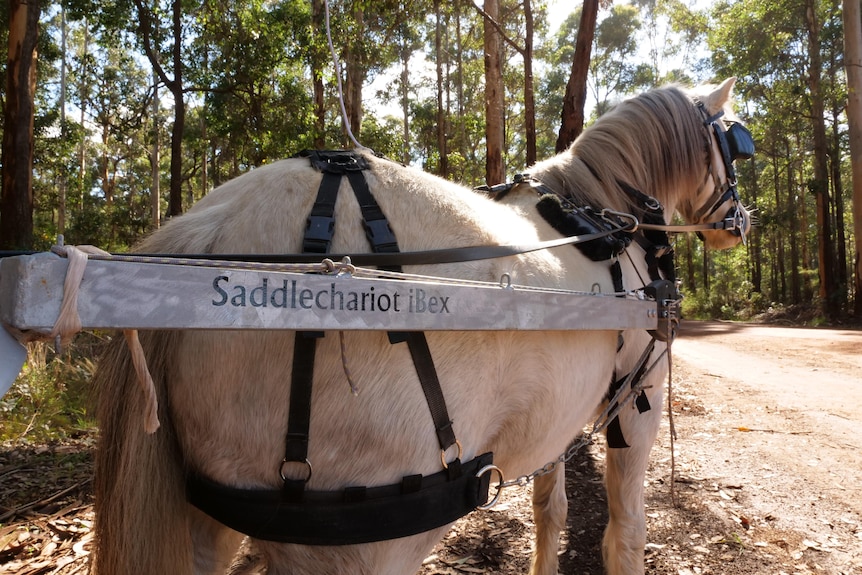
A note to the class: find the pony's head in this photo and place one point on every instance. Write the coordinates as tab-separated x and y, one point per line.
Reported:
676	147
718	200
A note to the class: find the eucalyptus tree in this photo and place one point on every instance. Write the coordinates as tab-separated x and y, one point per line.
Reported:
614	66
16	198
781	52
852	15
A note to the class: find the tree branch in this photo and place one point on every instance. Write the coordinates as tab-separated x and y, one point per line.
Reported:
499	30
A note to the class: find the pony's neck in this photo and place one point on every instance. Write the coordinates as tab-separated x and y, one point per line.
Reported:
572	177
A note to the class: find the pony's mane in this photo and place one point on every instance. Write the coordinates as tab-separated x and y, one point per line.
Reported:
655	142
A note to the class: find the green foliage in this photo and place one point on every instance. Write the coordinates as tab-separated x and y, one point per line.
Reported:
50	398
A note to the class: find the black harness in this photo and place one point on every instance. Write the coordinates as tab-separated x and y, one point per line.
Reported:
569	219
354	515
417	503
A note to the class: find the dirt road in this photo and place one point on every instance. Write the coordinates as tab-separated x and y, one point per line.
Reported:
770	421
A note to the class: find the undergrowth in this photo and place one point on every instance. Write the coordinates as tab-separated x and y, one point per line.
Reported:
50	399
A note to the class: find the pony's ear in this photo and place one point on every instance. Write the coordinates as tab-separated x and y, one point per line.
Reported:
716	100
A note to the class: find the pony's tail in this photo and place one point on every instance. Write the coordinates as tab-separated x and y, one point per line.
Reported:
141	513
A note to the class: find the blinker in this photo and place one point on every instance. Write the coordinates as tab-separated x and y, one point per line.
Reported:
740	142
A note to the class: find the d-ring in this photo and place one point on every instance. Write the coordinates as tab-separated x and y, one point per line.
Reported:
443	454
285	461
496	498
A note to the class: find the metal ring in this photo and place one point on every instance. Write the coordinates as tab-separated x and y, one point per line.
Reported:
496	498
443	454
284	477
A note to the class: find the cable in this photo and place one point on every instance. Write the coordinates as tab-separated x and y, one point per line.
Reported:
338	81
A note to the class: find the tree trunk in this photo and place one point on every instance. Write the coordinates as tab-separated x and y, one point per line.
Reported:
576	88
356	74
61	179
442	153
155	160
853	64
819	186
494	97
16	198
405	101
529	95
84	96
175	206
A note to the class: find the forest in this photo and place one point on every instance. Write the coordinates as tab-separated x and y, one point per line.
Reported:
141	107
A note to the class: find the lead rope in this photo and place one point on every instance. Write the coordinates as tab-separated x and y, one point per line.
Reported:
673	497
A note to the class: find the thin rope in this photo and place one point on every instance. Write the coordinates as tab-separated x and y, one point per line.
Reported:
338	81
673	497
353	387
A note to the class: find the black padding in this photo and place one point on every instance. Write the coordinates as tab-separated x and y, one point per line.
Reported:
346	517
583	221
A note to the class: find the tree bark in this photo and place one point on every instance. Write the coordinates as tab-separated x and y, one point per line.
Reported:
175	86
155	160
16	198
853	64
494	97
529	93
442	152
61	179
355	75
820	184
576	89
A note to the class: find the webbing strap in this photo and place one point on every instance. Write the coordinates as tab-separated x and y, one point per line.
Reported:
427	373
377	228
350	516
615	437
299	413
320	225
334	165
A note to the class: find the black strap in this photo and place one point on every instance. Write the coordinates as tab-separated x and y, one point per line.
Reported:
424	363
377	228
320	225
354	515
299	413
614	432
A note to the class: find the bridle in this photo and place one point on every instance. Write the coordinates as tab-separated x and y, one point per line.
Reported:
734	143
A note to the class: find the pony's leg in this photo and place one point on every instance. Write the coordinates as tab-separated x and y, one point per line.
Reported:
625	536
214	544
549	514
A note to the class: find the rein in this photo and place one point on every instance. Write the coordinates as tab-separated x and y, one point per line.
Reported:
419	257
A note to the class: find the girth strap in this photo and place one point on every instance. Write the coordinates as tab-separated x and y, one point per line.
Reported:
351	516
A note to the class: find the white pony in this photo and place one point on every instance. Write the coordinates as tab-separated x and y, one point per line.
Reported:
225	397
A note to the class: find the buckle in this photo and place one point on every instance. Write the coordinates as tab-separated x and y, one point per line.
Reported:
318	234
380	235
